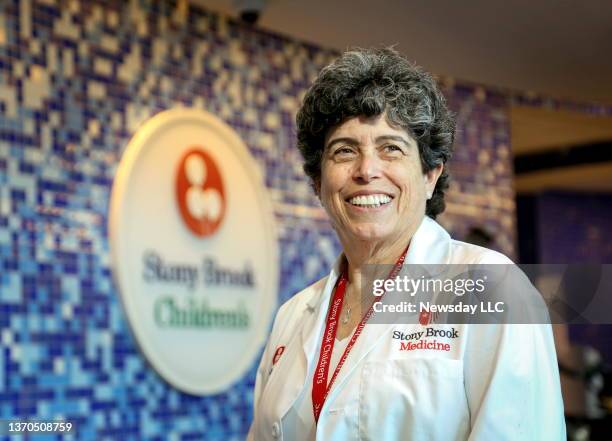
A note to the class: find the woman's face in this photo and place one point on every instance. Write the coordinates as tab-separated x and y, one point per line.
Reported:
372	184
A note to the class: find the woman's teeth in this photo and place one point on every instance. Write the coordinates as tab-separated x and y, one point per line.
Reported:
371	200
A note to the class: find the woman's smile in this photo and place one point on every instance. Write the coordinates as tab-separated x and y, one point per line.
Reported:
366	201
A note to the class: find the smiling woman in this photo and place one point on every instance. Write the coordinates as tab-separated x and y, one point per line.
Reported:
372	184
379	83
375	135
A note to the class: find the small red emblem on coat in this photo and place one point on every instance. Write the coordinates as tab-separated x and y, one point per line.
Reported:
427	318
277	354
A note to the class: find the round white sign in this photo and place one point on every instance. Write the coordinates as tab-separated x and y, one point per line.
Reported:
193	249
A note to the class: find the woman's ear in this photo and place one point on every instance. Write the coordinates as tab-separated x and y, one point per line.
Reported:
316	186
431	179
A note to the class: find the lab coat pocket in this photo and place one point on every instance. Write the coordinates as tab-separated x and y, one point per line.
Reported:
414	398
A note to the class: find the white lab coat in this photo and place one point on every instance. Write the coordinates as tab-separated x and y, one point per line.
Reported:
499	382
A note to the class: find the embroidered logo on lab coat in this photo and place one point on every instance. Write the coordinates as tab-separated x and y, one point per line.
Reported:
426	339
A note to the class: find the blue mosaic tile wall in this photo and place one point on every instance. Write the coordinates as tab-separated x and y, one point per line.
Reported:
482	190
76	80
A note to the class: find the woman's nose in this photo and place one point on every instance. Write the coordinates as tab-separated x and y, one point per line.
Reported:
367	168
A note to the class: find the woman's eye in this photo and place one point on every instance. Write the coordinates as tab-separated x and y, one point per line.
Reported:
392	148
343	151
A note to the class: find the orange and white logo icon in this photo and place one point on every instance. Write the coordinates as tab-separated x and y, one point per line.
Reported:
200	193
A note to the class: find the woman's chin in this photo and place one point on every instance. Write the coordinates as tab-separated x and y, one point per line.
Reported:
369	233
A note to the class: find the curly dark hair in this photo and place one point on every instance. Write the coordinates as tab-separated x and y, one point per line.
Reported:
372	82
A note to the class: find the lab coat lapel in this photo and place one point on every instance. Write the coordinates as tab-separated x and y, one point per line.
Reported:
318	305
297	374
430	244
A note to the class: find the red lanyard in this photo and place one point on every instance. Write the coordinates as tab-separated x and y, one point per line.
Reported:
320	388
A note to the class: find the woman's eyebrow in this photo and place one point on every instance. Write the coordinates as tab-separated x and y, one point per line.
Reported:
393	138
353	141
345	140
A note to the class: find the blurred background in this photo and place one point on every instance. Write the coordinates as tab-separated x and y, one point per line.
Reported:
531	85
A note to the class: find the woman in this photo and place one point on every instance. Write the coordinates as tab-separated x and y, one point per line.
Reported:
375	134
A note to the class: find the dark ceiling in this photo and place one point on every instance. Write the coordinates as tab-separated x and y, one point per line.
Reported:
557	47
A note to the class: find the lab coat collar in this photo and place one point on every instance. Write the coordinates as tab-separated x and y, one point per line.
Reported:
321	299
429	245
